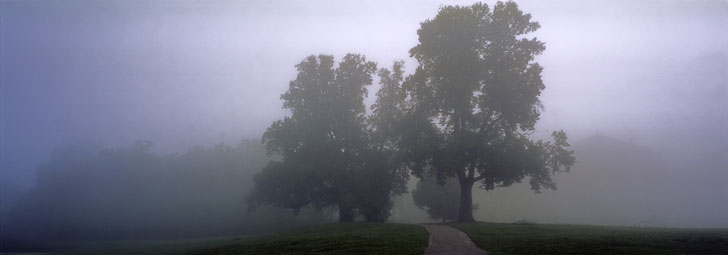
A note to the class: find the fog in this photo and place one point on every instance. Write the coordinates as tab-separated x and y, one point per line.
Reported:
640	87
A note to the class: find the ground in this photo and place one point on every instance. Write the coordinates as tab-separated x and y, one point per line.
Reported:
583	239
342	238
336	238
387	238
448	240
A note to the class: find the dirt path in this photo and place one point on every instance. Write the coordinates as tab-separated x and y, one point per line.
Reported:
448	240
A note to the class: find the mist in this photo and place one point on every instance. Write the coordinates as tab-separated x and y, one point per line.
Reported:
641	89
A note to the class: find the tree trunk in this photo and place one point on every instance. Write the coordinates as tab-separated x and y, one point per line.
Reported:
466	201
346	213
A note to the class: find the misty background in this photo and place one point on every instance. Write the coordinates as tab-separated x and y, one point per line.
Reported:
641	88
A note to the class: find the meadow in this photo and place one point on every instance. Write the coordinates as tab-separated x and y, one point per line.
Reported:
390	238
503	239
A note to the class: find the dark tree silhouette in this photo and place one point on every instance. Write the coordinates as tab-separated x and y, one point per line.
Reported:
474	99
390	176
440	200
327	154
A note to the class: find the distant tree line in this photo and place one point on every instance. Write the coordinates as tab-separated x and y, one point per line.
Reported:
89	192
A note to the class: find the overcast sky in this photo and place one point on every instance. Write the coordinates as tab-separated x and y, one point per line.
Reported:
181	73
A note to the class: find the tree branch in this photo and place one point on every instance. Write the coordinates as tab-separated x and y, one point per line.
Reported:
479	178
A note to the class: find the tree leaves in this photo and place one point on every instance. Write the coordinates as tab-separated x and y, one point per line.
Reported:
474	99
332	154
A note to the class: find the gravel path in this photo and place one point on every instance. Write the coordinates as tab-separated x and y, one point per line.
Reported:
448	240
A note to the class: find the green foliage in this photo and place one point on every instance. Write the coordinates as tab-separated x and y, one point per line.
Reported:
474	99
389	109
329	155
503	239
376	185
386	174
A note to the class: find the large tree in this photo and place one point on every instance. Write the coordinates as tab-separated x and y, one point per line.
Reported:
474	100
326	154
387	175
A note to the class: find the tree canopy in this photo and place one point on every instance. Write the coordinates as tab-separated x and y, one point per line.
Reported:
328	154
474	100
467	113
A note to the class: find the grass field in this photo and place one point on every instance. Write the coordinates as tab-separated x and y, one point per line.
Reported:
337	238
350	238
582	239
138	247
380	238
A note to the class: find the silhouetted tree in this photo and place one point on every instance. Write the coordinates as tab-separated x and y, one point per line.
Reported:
326	155
376	184
474	99
440	200
386	175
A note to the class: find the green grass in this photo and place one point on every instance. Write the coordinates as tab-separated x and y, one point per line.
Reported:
138	247
384	238
581	239
337	238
